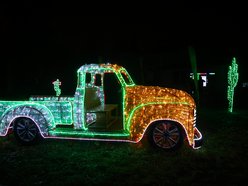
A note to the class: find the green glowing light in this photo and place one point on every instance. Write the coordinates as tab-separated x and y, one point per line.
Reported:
56	85
192	56
233	77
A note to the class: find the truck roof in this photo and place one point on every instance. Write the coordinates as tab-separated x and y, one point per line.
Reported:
99	67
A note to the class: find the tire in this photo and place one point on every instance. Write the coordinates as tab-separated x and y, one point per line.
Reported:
166	135
26	131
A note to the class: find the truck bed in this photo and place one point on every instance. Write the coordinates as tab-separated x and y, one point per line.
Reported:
60	107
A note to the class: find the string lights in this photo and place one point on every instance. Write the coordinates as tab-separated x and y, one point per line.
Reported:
233	77
56	85
145	105
141	106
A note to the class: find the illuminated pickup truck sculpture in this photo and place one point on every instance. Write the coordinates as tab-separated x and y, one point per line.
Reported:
106	106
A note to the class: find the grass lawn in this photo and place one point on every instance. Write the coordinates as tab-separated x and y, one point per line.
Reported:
223	159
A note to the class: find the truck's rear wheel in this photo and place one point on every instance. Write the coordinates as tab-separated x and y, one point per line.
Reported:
26	131
166	135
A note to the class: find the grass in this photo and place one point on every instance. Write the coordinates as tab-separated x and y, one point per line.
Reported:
222	159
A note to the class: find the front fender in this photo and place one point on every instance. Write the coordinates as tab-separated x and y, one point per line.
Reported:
40	114
141	117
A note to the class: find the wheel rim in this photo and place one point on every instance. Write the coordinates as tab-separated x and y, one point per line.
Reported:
26	129
166	135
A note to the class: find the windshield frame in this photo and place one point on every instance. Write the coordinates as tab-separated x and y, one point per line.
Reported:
126	77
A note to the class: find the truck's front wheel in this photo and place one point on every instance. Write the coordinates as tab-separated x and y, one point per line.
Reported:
26	131
166	135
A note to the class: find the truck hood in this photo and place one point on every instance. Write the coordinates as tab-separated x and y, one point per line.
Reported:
137	95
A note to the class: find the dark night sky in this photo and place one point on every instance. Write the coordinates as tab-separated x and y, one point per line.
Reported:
39	45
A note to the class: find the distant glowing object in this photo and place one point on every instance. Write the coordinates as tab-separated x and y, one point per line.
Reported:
233	77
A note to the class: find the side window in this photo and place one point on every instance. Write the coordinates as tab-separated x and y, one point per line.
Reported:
125	78
87	77
98	80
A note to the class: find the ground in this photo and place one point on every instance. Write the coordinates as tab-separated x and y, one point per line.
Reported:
222	158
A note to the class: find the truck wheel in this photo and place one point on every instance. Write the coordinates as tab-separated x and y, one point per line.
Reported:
166	135
26	131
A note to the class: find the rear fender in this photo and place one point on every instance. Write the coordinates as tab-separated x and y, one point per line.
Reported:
38	113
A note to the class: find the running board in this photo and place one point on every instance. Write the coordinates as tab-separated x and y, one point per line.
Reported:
81	134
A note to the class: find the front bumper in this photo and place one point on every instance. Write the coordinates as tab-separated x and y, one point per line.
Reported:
197	139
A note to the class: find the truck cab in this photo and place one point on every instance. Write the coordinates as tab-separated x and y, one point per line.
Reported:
100	97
